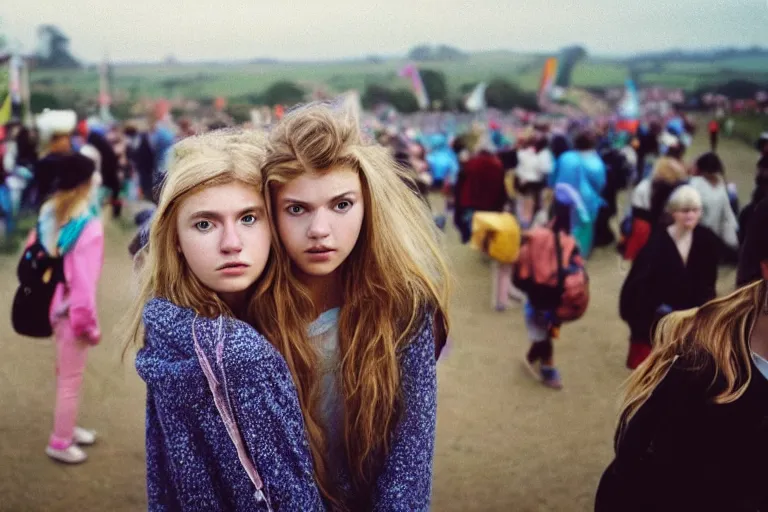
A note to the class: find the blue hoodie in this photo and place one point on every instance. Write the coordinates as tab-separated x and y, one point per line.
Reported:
193	465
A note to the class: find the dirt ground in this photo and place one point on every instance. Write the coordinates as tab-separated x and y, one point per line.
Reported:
504	443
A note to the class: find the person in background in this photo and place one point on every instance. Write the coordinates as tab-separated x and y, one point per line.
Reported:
56	129
692	432
762	144
539	260
69	226
480	186
618	171
584	171
96	137
677	269
760	193
717	213
755	241
714	134
141	155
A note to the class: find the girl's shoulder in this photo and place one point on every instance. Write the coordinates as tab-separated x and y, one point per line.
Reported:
179	327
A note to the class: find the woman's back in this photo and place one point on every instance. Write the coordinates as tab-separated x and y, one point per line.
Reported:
717	213
681	451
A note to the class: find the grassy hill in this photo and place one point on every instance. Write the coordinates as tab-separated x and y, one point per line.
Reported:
240	79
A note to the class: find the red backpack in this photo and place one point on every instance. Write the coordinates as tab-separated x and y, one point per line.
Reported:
551	272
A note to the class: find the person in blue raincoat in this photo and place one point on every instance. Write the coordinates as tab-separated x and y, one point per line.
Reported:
584	170
443	162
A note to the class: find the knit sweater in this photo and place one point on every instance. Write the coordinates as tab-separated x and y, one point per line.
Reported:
193	465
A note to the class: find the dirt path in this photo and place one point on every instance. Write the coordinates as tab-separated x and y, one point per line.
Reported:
504	443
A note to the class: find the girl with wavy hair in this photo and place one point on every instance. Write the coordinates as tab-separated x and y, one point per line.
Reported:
693	431
357	307
224	427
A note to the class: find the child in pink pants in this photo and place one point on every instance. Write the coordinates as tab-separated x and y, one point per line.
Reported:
69	226
76	327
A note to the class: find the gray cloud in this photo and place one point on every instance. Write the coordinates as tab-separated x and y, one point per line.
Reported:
149	30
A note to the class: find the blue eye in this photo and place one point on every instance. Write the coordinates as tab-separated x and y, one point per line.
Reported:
203	225
248	220
343	206
295	209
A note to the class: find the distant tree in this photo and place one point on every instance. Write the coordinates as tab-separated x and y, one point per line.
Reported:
43	100
53	49
374	95
442	52
421	53
122	110
283	93
404	101
739	89
445	52
240	112
435	84
505	95
569	57
3	39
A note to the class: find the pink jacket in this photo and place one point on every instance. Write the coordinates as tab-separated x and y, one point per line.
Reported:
75	301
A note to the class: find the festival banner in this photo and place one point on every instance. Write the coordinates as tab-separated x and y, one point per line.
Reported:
475	102
548	76
411	72
5	92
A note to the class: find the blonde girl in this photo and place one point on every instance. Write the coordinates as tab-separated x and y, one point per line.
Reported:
358	308
69	226
224	429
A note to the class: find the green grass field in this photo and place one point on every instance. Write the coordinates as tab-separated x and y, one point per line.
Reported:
237	80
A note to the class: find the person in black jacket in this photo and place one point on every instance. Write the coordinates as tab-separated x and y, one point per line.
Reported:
677	269
110	165
693	431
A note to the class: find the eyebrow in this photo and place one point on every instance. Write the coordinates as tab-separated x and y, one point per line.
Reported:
207	214
287	200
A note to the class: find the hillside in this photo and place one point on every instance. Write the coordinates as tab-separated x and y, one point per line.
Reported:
691	71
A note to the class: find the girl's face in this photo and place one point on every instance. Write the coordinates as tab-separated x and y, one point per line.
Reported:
224	237
319	217
687	218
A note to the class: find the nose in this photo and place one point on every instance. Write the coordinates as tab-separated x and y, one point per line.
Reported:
230	239
319	226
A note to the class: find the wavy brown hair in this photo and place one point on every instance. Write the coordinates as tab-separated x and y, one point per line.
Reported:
197	162
395	275
714	335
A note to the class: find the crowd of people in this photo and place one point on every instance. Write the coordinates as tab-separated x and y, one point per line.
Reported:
293	296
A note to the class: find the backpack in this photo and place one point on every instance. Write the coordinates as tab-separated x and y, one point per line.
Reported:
39	273
552	274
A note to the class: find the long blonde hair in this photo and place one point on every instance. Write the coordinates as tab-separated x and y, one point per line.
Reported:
215	158
716	334
394	275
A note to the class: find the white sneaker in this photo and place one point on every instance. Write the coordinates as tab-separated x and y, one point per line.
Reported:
516	294
72	455
84	437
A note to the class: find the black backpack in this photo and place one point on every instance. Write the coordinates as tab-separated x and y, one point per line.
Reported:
39	273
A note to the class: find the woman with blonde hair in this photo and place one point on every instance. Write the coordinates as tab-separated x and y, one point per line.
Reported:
677	269
649	199
224	429
693	433
70	231
357	307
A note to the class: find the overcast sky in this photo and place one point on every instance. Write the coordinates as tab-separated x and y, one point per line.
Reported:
149	30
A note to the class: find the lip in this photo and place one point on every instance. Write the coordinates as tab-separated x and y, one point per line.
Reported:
319	253
319	249
233	268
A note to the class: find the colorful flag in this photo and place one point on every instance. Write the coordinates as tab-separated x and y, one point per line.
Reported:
411	72
548	77
5	93
475	102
